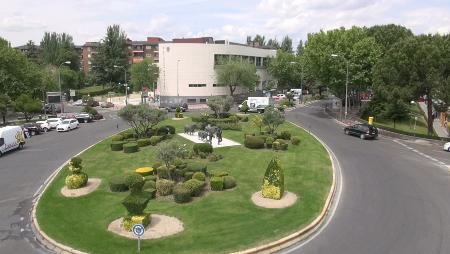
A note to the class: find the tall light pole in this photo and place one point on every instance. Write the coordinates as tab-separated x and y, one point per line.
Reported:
346	83
178	94
126	85
61	105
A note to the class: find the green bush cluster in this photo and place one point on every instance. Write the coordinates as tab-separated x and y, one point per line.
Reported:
165	130
154	140
164	172
130	148
164	187
188	175
219	173
280	144
150	178
216	183
199	176
128	134
117	145
215	157
295	141
196	167
195	187
181	194
117	184
254	142
230	126
269	141
285	135
143	142
117	137
135	182
202	147
149	185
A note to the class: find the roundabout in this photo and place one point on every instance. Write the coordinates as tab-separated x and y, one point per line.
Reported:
208	217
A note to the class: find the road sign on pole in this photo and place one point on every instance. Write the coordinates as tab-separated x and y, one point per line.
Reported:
138	230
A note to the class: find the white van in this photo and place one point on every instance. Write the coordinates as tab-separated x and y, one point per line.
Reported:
11	137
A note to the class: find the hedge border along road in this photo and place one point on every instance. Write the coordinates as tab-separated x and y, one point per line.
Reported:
284	242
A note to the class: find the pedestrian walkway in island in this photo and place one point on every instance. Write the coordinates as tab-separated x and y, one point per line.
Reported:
441	131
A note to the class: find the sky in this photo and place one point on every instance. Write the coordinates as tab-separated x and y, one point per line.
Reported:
87	20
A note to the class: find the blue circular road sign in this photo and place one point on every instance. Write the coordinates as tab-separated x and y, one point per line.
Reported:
138	230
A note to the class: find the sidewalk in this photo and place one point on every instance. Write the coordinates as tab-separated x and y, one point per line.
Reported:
440	131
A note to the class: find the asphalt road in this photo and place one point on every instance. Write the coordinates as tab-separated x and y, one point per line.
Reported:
23	172
395	196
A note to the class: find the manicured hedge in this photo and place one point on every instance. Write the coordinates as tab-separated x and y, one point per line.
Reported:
181	194
199	176
117	137
130	148
196	167
219	173
295	141
118	184
253	142
285	135
216	183
117	145
229	182
202	147
164	187
149	185
143	142
154	140
195	186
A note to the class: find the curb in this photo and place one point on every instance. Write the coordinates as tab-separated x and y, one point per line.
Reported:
41	236
267	248
315	225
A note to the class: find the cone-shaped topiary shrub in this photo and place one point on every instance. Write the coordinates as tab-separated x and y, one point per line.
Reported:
136	202
273	182
76	179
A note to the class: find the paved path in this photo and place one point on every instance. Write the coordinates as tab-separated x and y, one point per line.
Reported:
394	200
440	131
23	172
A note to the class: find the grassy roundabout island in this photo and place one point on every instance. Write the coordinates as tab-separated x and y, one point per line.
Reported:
215	222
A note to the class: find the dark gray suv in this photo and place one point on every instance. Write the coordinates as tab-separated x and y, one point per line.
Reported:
362	130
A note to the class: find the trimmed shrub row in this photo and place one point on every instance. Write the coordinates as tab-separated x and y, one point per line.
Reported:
202	148
130	148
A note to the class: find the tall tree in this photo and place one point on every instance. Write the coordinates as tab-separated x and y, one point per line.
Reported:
260	39
28	106
144	73
237	73
286	68
113	51
5	104
273	43
300	48
32	52
387	35
416	65
58	48
286	44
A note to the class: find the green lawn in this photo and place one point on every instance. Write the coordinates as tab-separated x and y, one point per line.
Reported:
407	126
218	222
90	89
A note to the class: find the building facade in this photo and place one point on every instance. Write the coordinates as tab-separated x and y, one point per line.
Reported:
188	69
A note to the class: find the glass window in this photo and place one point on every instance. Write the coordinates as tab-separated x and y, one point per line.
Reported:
191	100
197	85
258	62
203	100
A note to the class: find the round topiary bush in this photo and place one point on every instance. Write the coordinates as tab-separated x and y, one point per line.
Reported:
199	176
128	135
181	194
76	181
164	187
118	184
269	141
196	167
134	182
171	128
202	148
188	175
149	185
195	187
216	183
165	173
117	137
219	173
285	135
154	140
143	142
144	171
117	145
254	142
130	148
295	141
229	182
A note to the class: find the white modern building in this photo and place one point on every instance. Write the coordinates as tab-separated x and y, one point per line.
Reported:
188	69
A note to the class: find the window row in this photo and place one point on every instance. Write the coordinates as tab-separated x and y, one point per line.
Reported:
220	59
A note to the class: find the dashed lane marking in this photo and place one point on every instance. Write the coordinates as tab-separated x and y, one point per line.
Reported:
440	163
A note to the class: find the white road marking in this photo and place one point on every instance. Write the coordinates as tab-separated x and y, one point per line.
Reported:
422	154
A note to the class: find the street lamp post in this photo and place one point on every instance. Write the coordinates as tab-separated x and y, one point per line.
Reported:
60	89
126	85
178	94
346	84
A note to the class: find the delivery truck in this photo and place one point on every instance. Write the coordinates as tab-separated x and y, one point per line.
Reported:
11	138
257	104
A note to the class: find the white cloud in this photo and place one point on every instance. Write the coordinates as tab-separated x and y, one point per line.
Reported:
20	23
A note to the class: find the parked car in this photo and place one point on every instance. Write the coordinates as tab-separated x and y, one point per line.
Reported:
279	96
67	125
107	104
45	126
33	128
447	146
362	130
84	117
53	122
78	103
11	137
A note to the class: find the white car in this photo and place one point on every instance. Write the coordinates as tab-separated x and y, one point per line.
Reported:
78	103
53	122
447	146
67	125
44	125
